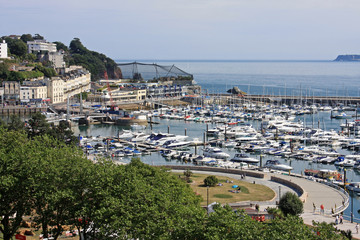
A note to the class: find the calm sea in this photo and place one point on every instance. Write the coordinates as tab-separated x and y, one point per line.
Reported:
318	78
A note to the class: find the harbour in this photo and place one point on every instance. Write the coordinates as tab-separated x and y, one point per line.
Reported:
172	122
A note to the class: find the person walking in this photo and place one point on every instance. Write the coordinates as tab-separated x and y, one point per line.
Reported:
341	219
357	228
314	207
337	220
322	209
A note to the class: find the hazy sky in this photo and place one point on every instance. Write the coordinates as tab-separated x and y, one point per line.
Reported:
193	29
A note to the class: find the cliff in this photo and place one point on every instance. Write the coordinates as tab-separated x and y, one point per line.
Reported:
347	58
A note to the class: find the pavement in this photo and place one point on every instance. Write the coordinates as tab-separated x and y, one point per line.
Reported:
317	193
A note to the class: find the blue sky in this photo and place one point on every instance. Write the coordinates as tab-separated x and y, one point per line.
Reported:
193	29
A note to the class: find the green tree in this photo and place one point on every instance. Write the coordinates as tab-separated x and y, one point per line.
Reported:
17	47
96	63
16	167
326	231
290	227
61	46
147	203
38	125
211	181
38	37
53	197
16	123
290	204
4	71
26	37
64	133
224	223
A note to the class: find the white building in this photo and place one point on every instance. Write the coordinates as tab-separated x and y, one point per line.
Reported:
57	58
40	45
55	90
3	50
35	90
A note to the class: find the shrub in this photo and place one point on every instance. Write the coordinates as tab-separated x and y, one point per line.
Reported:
290	204
211	181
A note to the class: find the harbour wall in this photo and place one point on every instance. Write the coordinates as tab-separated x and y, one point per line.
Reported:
22	111
302	193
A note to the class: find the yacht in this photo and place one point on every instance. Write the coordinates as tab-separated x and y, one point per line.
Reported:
242	157
215	153
175	144
161	138
276	165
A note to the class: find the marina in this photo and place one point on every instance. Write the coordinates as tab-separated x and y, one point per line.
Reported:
304	141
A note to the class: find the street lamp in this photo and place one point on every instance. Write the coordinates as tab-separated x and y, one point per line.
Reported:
207	199
279	193
352	206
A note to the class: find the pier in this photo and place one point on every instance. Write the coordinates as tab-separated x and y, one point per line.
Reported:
285	99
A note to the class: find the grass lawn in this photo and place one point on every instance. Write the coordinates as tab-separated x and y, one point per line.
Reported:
222	194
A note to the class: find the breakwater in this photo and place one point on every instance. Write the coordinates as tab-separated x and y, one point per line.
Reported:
284	99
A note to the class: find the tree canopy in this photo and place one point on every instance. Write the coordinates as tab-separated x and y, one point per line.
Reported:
95	62
290	204
54	182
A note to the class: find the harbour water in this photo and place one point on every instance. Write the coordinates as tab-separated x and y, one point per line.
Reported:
318	78
321	78
197	130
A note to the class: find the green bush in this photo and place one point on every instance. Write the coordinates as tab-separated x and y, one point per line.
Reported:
290	204
211	181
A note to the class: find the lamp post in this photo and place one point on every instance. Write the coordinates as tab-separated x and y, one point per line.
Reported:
352	206
207	199
279	193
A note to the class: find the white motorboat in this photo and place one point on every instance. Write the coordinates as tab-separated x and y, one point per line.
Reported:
215	153
344	162
161	138
276	165
175	144
242	157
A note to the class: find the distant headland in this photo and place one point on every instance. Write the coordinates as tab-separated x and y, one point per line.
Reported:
348	58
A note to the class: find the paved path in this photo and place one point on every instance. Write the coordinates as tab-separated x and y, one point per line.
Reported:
318	193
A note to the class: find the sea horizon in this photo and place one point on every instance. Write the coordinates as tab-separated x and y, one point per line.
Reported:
225	60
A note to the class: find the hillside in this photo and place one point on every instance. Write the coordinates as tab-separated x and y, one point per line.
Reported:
96	63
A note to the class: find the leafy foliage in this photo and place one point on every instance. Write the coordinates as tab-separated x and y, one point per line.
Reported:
16	166
17	47
26	38
60	186
290	204
61	46
211	181
95	62
24	75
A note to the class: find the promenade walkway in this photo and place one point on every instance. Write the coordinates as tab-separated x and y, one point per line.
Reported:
317	193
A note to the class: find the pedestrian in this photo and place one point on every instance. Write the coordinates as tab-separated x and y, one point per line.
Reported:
322	209
357	228
341	219
314	207
337	220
